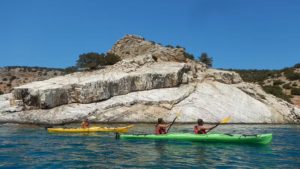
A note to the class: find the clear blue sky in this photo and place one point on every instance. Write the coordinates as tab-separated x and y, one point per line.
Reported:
236	33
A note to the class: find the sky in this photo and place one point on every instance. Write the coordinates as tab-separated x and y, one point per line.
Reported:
240	34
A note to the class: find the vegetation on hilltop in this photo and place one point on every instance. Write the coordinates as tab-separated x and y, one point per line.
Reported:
93	60
13	76
284	83
90	60
204	58
256	76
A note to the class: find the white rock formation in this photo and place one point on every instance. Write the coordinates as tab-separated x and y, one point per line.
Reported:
209	100
99	85
222	76
142	88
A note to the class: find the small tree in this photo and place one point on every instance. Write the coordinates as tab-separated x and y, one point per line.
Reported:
297	65
295	91
111	59
189	55
169	46
91	60
177	46
206	60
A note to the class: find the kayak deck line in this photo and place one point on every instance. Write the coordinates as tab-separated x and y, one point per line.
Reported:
222	138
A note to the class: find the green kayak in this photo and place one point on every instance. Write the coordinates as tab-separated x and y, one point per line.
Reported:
222	138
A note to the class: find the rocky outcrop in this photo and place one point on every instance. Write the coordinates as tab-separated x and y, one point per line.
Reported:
131	46
143	87
227	77
13	76
277	105
209	100
88	87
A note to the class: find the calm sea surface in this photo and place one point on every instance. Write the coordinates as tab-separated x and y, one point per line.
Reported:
27	146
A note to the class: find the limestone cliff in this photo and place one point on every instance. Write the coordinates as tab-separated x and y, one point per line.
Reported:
150	82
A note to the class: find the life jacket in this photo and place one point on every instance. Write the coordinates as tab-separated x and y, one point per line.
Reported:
201	131
160	130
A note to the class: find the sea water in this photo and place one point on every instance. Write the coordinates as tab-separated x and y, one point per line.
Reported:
29	146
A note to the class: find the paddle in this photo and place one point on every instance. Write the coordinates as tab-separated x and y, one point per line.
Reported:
224	121
177	114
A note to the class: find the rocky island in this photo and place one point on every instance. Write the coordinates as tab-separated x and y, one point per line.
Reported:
149	82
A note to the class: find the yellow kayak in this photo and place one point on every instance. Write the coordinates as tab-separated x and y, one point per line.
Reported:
91	129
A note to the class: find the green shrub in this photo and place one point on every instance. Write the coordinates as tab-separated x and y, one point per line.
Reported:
295	91
254	75
291	75
297	65
169	46
287	86
111	59
12	78
294	76
274	75
91	60
205	59
294	84
4	79
1	92
152	42
278	82
276	91
177	46
188	55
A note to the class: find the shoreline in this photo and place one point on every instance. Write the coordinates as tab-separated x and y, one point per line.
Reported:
138	123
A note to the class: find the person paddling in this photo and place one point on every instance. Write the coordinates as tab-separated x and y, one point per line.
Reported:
161	126
85	123
200	128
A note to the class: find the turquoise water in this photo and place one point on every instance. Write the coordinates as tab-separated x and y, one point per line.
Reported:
26	146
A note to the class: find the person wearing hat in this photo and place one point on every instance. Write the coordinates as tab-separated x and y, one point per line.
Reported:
161	126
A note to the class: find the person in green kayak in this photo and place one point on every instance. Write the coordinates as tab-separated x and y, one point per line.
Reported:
200	128
85	123
161	126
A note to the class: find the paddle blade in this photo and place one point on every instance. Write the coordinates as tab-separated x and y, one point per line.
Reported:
226	120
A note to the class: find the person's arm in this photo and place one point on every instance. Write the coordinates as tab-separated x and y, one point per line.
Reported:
210	127
206	127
